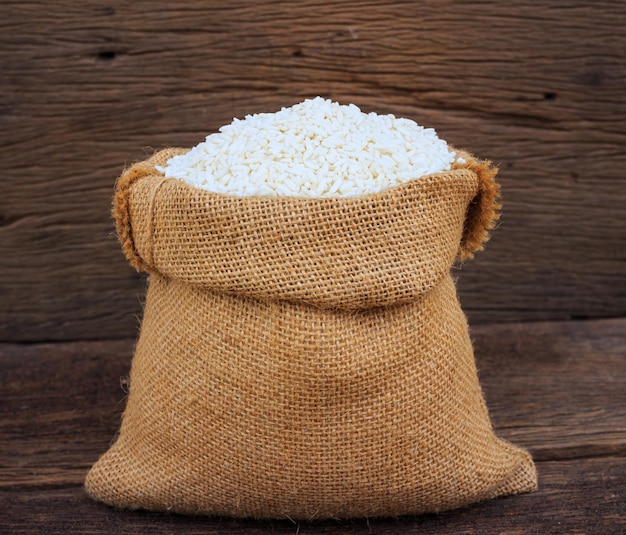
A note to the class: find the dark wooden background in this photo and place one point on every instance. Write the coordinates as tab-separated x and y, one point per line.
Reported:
88	87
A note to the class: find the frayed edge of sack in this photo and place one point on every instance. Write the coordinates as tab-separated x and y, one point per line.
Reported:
121	211
483	211
121	202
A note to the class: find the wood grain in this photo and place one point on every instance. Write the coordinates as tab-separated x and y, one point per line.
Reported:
556	388
576	497
89	87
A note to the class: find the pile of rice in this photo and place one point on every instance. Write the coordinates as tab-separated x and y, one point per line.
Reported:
317	148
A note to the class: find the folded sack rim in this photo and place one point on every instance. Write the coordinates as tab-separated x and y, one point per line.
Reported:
340	267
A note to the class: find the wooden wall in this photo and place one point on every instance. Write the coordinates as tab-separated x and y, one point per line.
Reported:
87	87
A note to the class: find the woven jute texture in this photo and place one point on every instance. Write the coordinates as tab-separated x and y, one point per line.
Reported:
305	358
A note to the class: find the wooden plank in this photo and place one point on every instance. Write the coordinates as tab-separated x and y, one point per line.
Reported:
61	407
87	89
556	388
584	496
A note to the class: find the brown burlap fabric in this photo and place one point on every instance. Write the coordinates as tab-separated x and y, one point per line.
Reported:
305	358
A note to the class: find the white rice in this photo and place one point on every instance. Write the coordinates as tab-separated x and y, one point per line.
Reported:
317	148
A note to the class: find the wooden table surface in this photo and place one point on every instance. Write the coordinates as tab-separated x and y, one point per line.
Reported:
558	389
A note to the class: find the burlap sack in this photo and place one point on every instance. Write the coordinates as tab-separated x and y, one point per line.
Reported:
305	358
